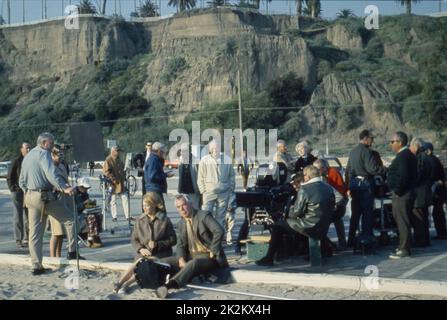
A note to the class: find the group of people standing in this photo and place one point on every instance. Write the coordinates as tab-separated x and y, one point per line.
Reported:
415	180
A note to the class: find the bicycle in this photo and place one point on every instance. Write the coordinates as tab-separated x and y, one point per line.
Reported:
131	183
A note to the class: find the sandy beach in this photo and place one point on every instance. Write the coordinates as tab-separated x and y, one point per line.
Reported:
17	283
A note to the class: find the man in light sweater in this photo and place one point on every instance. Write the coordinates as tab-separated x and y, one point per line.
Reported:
216	182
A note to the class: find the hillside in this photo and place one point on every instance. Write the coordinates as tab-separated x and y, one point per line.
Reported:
325	80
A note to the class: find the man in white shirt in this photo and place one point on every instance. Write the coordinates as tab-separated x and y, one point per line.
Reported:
216	182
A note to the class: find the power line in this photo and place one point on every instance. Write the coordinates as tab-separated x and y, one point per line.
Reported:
297	108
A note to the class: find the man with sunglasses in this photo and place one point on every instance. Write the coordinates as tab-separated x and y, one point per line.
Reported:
360	171
402	176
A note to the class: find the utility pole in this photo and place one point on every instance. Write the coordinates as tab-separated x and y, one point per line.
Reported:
240	109
23	10
8	3
45	3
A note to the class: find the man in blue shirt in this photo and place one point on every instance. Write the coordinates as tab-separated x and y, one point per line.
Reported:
154	174
39	179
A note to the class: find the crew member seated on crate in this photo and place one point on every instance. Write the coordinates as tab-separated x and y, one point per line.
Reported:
94	219
310	216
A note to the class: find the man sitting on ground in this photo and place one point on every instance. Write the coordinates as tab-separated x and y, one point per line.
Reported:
199	247
310	216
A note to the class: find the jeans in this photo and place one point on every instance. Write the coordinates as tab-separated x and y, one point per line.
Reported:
362	206
20	216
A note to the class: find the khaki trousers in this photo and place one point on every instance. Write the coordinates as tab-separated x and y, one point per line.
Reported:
58	209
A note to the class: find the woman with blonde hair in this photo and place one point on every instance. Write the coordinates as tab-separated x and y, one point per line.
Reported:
305	158
152	238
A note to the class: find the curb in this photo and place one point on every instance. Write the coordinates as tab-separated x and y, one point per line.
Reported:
316	280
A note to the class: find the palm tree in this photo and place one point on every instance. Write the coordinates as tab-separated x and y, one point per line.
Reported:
182	5
148	9
8	6
299	7
313	8
345	14
407	4
86	7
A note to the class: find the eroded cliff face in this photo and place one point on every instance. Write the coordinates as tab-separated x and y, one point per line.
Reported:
215	45
49	49
363	100
342	38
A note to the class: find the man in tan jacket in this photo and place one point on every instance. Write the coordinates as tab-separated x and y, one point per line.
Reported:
114	170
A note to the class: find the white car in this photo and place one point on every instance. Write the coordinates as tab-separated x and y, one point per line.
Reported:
4	168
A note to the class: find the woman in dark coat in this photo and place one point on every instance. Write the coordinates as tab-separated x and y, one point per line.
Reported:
152	238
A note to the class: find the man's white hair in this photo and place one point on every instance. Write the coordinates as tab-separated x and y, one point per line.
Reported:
43	137
303	144
182	196
213	145
280	142
159	146
417	142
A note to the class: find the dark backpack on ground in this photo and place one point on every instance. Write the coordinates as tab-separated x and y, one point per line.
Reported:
151	274
365	245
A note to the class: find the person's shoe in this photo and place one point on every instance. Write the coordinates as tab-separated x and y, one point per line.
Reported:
19	244
72	256
125	289
237	250
440	238
399	254
132	219
39	271
266	262
161	292
116	287
96	245
114	219
25	243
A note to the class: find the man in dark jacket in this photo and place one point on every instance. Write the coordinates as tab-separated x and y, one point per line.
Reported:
402	175
20	213
437	176
360	171
199	247
154	174
311	215
423	195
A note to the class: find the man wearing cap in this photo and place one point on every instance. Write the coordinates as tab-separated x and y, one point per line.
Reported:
154	175
360	171
38	179
93	219
114	170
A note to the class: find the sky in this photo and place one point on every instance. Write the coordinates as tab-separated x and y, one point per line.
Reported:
33	8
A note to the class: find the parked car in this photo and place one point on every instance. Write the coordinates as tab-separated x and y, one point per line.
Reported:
4	168
172	164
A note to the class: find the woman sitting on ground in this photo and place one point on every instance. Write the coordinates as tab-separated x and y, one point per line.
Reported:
153	237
